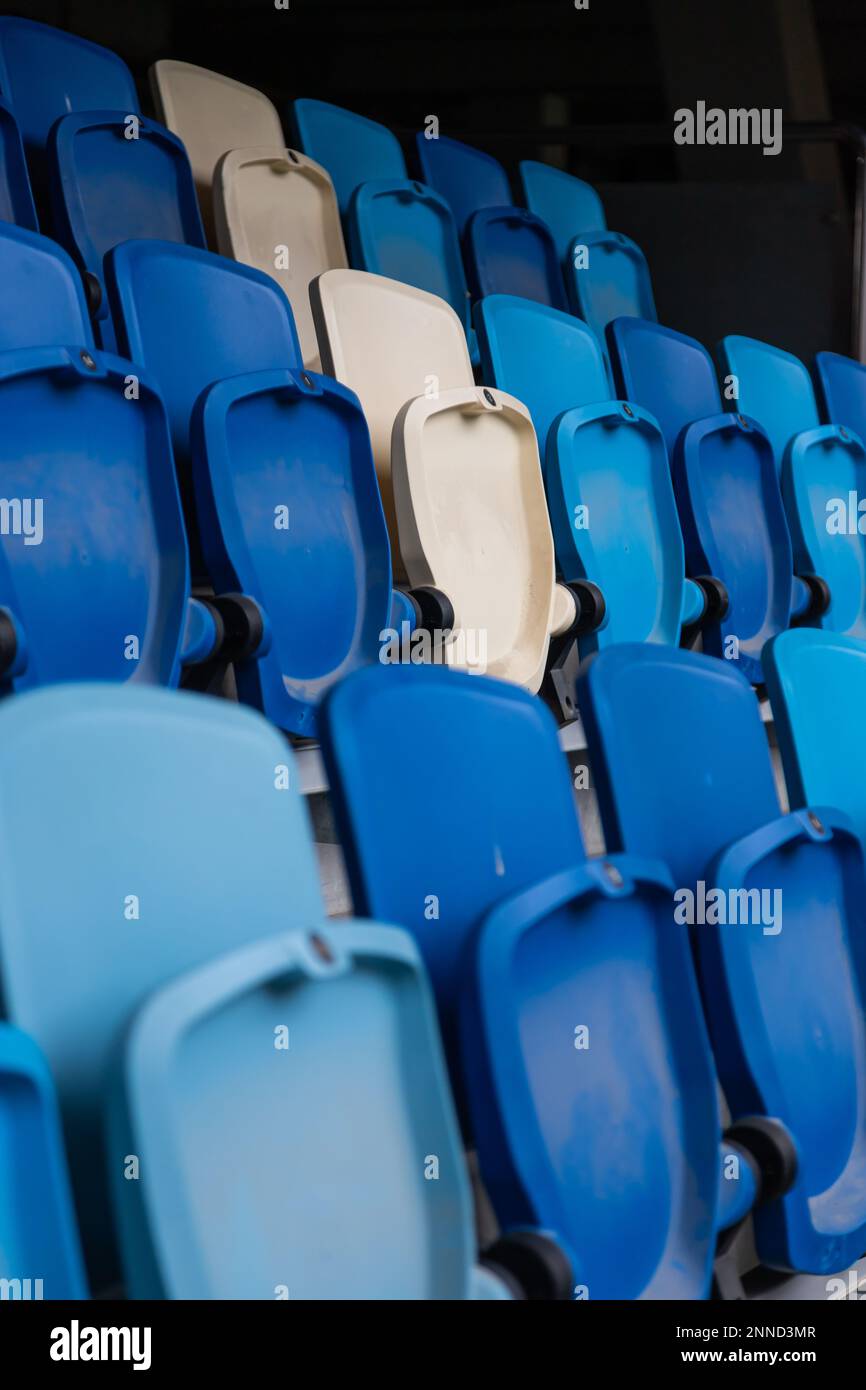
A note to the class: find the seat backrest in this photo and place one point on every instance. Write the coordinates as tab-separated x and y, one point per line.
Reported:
388	342
817	685
109	187
670	375
211	114
41	295
511	251
349	1209
698	710
468	179
291	515
841	389
772	387
569	206
352	148
16	197
40	1253
192	318
608	278
93	553
277	210
421	853
546	358
89	925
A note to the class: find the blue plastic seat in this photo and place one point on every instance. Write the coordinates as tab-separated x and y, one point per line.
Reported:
733	521
775	907
609	490
610	281
42	300
817	684
45	73
511	251
174	833
527	943
291	515
823	476
468	179
405	231
570	207
40	1255
841	391
335	1169
352	148
111	182
16	198
94	571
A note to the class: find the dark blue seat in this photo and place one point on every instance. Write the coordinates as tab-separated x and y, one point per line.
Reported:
468	179
733	521
841	391
353	149
823	477
511	251
42	301
16	198
113	181
291	515
775	905
609	490
532	951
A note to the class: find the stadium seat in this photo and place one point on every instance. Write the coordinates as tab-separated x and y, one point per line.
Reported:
94	570
607	278
841	391
335	1169
775	908
42	300
277	210
111	182
468	179
473	526
823	476
817	684
211	114
173	834
736	535
609	490
16	198
405	231
388	342
511	251
46	73
570	207
531	949
291	517
353	149
40	1255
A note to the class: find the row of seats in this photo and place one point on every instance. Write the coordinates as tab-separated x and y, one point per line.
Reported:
265	1093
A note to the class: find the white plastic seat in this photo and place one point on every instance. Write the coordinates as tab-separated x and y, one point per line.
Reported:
211	114
389	343
473	523
277	210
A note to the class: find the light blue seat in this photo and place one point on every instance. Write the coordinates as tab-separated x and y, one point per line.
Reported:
734	527
774	905
468	179
16	197
570	207
40	1254
405	231
823	478
609	490
112	182
335	1169
352	148
167	840
528	944
607	277
42	300
292	517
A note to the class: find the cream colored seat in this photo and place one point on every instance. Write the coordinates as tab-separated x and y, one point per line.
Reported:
277	210
389	343
211	114
473	524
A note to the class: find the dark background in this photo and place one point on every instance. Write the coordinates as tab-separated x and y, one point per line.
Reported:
737	242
